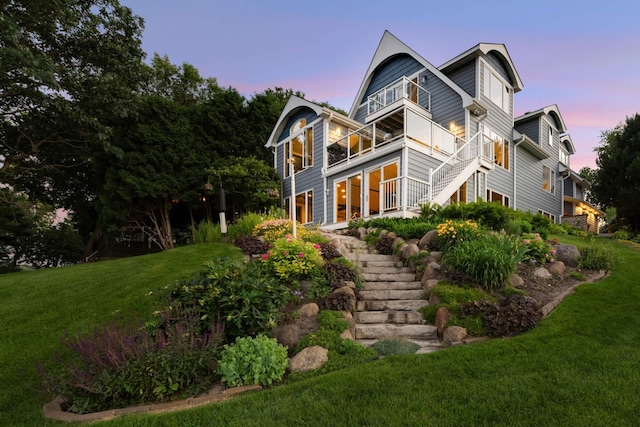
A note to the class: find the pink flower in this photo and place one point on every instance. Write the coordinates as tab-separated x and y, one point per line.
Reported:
316	246
526	241
285	253
552	260
265	256
301	255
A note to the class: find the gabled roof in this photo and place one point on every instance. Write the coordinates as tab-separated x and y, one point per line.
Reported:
294	103
568	143
484	49
551	111
390	46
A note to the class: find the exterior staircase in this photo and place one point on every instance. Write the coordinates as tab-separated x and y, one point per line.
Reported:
388	305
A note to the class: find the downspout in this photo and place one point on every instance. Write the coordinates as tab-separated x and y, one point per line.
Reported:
515	171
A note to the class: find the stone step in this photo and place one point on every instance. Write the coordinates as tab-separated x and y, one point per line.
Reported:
378	264
391	305
396	317
381	286
393	294
424	345
387	277
386	270
388	330
362	257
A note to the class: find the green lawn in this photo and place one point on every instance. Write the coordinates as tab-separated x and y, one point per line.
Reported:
36	307
580	367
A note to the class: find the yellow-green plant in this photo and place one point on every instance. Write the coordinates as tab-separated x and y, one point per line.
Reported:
452	232
293	259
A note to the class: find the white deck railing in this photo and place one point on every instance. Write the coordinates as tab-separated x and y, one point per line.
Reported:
401	88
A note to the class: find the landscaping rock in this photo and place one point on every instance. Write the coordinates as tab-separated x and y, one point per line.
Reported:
568	254
454	334
391	235
437	256
557	268
516	280
410	250
429	284
362	232
287	335
542	273
309	358
309	310
345	290
431	271
442	317
428	238
398	242
347	335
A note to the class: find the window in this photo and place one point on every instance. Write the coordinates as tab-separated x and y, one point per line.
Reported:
304	207
500	148
547	215
550	136
299	149
564	157
348	199
548	180
492	196
496	90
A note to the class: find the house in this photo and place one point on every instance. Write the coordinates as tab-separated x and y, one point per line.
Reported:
420	134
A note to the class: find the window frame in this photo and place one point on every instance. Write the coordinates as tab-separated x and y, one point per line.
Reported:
550	180
490	84
505	200
504	143
308	207
304	135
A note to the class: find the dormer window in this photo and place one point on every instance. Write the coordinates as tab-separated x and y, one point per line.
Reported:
299	149
496	89
550	136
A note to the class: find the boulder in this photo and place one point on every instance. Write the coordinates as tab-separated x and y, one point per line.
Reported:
362	232
427	239
429	284
557	268
410	250
398	241
287	335
391	235
442	317
542	273
454	334
309	310
309	358
437	256
345	290
568	254
347	335
431	271
516	281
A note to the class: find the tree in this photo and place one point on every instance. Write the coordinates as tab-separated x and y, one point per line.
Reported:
68	71
617	179
590	176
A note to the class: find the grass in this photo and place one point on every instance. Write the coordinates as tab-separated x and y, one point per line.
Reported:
36	307
579	367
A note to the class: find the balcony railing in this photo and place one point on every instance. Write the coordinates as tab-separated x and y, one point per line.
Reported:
399	124
399	89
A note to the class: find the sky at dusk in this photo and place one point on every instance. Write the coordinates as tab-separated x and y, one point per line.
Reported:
582	56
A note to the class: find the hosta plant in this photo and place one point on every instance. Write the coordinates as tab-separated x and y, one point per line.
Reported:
258	360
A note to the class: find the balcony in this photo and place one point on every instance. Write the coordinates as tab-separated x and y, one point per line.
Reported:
401	89
405	122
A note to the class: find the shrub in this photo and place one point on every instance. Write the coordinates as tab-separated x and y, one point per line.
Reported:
384	245
246	297
332	320
516	227
513	316
489	214
538	249
329	251
245	225
327	338
595	256
488	261
450	233
293	259
621	235
558	229
338	302
394	346
123	364
274	229
260	360
339	271
251	245
206	232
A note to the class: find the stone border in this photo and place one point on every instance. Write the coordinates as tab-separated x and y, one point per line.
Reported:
53	410
550	306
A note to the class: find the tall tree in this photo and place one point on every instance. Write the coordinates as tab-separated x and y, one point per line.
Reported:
617	179
68	71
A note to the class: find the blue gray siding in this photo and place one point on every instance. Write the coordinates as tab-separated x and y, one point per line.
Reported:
531	128
305	113
393	69
465	77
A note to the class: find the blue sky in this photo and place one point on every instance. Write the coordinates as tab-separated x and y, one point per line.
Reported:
582	56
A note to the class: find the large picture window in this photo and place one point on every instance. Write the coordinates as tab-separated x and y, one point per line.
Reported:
496	90
299	149
548	180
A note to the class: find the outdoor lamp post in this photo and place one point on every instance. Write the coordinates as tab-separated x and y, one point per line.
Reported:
292	204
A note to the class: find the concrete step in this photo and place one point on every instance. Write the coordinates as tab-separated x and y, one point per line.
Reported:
379	264
424	345
390	276
402	294
388	330
396	317
381	286
391	305
362	257
386	270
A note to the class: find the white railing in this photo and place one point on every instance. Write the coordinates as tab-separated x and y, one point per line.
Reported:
417	193
389	192
428	133
399	89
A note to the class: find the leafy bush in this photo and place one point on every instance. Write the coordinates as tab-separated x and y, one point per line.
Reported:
206	232
338	302
274	229
123	364
450	233
558	229
245	225
293	259
251	245
394	346
491	215
538	249
489	260
339	271
260	360
384	245
514	315
327	338
621	235
407	228
332	320
595	256
246	297
516	227
329	251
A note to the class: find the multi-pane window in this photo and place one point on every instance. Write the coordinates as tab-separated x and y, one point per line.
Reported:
299	149
304	207
496	90
548	180
547	215
564	157
500	148
492	196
